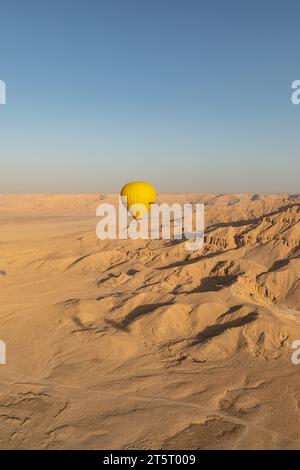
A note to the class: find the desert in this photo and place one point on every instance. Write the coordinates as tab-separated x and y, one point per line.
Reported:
139	344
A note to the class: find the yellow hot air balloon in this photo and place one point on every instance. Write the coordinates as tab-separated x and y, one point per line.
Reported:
137	197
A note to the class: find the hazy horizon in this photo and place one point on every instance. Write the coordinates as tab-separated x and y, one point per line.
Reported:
190	96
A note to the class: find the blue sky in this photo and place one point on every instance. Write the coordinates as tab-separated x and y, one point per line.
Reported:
190	95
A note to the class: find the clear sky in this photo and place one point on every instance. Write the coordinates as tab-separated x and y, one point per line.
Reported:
190	95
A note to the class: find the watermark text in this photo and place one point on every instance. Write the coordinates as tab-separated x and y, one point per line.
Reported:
2	92
165	221
296	93
2	352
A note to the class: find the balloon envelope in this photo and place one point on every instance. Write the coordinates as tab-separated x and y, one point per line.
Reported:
137	197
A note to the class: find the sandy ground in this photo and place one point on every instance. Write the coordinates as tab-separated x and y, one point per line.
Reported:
141	344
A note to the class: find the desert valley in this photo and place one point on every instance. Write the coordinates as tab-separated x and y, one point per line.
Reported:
133	344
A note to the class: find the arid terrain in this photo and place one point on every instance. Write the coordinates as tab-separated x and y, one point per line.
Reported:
140	344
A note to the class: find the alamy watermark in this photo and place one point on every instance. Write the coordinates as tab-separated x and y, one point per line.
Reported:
2	92
296	93
2	352
164	221
296	354
2	101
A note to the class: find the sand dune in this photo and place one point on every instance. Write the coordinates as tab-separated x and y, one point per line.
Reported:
140	344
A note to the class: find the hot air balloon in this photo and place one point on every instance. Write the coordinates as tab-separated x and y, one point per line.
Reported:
137	197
